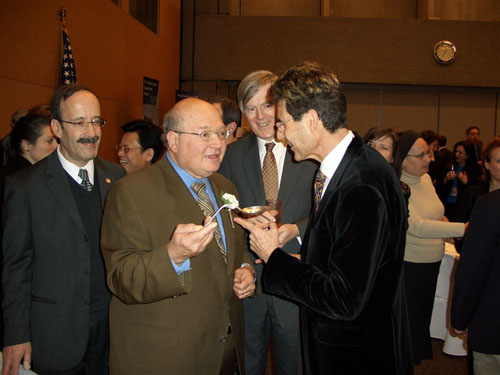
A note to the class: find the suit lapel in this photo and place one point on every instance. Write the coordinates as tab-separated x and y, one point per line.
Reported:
57	181
351	152
186	207
253	170
104	179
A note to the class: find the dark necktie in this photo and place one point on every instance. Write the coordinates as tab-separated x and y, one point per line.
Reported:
270	173
208	210
319	183
84	175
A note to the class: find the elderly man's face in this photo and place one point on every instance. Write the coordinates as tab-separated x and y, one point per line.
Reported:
200	158
79	144
261	114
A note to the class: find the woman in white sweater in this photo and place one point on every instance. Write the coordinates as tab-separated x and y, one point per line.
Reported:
427	229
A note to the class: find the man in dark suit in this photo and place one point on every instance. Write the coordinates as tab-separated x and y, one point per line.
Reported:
177	284
267	315
55	296
348	282
476	295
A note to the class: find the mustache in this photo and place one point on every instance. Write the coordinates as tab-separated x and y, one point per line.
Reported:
84	140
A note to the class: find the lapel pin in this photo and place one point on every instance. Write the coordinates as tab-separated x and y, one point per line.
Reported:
108	180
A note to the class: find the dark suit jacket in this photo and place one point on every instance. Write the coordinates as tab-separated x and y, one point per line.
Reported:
349	281
160	324
476	296
46	261
241	165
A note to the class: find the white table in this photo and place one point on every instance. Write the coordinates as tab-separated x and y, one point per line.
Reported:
440	323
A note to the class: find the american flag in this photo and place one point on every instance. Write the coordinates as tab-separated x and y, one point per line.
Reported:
68	70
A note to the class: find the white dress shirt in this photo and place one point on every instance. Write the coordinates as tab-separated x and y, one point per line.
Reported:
73	169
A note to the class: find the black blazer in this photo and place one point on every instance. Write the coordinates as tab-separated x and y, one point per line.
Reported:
349	282
476	296
241	165
46	281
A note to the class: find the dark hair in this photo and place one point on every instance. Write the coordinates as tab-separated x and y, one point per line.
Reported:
429	136
377	133
63	93
28	128
230	111
469	151
309	86
41	110
149	136
493	144
442	140
467	131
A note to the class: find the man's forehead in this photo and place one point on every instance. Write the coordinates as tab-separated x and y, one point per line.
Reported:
130	137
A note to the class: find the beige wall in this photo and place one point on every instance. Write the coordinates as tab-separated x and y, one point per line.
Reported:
112	52
381	49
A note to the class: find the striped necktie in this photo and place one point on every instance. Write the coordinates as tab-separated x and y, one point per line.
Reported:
84	175
270	173
319	183
208	210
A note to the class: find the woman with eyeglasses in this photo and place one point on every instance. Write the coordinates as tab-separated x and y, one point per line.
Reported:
463	172
427	229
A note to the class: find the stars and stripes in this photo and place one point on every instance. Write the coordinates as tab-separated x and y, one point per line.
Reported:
68	70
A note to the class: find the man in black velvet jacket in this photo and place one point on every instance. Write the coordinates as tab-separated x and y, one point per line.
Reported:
348	282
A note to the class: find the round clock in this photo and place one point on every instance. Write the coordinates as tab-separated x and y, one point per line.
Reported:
445	52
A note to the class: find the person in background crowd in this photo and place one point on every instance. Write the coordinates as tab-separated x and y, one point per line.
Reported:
431	138
463	172
476	295
141	145
386	142
3	142
55	297
427	229
246	165
348	281
231	115
473	134
472	192
177	281
41	110
442	159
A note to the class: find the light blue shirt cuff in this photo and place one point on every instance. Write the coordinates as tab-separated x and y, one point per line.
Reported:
185	266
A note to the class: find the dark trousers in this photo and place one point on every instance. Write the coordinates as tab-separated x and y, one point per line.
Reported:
420	284
95	359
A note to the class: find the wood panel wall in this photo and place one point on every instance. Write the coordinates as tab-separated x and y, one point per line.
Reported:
112	52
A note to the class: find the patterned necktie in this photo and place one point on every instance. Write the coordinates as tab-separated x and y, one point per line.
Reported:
319	183
270	173
84	175
208	210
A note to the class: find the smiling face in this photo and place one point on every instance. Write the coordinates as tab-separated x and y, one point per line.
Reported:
261	114
296	133
197	157
78	144
136	158
460	155
416	162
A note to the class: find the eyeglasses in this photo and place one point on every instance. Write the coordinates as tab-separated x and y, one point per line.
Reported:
126	148
422	155
97	122
279	124
208	135
251	109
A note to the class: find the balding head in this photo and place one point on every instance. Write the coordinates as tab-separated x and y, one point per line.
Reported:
182	126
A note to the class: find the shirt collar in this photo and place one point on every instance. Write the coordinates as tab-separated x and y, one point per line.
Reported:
332	161
73	169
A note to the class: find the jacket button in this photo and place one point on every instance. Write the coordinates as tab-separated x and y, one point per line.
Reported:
87	272
85	238
87	302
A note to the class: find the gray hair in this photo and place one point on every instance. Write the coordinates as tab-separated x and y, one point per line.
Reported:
251	84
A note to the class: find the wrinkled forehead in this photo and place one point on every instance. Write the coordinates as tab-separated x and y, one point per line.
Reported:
81	104
206	118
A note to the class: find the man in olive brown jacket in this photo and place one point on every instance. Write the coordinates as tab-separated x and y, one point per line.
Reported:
177	287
